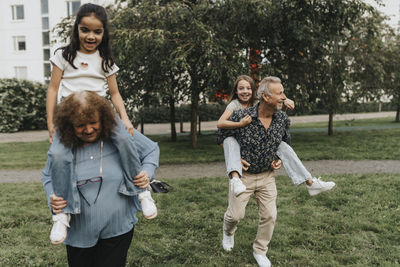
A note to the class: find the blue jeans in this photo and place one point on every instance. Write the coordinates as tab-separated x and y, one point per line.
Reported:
291	162
62	168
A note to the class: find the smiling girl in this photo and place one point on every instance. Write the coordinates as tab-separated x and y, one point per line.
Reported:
86	64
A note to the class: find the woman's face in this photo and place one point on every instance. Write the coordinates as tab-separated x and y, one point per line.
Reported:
244	91
88	131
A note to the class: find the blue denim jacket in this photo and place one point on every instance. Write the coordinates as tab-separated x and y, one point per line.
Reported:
136	153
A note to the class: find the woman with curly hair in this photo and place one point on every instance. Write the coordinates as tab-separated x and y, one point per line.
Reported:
101	228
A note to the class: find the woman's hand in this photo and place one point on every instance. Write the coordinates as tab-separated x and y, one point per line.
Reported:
245	120
142	179
128	126
57	203
276	164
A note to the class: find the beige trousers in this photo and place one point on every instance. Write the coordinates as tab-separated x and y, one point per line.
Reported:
264	189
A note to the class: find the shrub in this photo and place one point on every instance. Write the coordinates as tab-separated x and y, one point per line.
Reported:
22	105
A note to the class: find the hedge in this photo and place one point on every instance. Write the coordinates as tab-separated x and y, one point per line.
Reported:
22	105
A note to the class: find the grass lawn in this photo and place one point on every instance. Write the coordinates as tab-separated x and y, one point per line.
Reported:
356	224
356	145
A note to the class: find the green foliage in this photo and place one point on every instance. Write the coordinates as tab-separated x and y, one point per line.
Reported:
355	224
22	105
160	114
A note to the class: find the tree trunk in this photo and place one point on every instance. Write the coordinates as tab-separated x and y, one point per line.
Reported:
330	124
172	117
142	125
193	118
398	110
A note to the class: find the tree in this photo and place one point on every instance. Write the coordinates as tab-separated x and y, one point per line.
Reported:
392	66
313	50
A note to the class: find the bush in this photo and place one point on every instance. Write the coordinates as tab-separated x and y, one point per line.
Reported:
22	105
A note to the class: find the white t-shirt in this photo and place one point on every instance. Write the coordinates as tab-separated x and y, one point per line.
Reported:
234	105
89	75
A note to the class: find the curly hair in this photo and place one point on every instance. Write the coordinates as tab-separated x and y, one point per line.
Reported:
81	108
234	94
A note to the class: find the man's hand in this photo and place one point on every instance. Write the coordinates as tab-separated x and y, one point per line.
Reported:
142	179
276	164
289	103
245	165
245	120
128	126
57	203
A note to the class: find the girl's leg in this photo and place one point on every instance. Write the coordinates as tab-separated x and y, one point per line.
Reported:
292	164
61	172
131	166
130	160
233	164
232	156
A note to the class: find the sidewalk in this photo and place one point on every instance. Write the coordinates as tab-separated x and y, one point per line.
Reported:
165	128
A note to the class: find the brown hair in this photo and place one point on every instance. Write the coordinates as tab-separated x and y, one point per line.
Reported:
252	85
80	108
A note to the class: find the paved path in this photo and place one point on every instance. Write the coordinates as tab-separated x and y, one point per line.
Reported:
164	128
208	170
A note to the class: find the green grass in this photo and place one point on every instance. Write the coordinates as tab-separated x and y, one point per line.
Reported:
356	224
347	123
348	145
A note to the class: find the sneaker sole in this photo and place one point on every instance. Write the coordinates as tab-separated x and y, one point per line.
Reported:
58	242
151	216
312	193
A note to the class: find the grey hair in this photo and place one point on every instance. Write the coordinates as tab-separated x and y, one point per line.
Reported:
264	86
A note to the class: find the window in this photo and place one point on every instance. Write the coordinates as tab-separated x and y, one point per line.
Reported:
17	12
47	70
72	7
45	6
21	73
46	38
46	54
45	23
19	43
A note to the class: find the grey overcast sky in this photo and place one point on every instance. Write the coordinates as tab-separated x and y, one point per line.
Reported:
390	8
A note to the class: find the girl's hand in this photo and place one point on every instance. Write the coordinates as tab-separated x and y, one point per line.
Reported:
57	203
128	126
142	179
246	120
289	103
276	164
245	165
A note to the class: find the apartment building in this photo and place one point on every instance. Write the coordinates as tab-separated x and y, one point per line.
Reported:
26	38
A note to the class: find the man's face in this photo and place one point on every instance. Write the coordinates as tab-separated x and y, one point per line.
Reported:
88	131
277	96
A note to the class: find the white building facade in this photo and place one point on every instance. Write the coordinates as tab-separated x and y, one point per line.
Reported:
26	39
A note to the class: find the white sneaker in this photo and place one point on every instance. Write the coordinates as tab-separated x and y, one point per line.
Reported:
149	208
319	186
262	260
227	241
59	230
237	186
